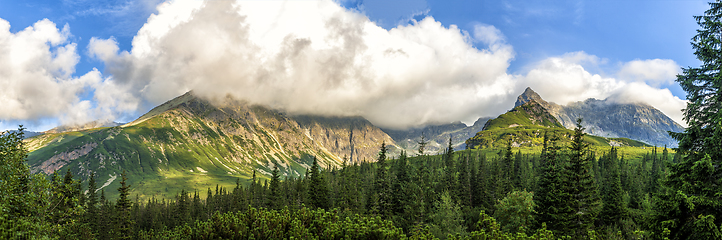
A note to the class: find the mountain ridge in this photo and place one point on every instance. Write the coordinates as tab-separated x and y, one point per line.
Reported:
191	143
607	118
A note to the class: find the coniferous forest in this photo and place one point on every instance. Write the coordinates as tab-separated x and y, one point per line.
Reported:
565	191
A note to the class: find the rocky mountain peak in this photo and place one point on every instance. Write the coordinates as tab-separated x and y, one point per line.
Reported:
527	96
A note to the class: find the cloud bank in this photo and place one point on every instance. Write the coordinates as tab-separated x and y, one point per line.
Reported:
311	57
36	68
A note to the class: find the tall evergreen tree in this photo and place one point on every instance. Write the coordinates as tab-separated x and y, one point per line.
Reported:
613	206
551	196
123	221
464	181
580	185
274	190
348	187
693	207
398	188
105	217
449	171
91	205
422	145
484	188
317	188
23	196
380	197
507	170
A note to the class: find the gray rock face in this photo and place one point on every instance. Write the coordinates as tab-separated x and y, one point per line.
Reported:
437	136
529	95
607	118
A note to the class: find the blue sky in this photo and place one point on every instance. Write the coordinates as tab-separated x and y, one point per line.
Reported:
536	38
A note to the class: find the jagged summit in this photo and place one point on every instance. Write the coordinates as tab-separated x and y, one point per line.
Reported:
607	118
527	96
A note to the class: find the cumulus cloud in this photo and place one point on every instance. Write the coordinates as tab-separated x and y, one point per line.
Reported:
661	99
305	57
564	79
651	71
313	57
36	67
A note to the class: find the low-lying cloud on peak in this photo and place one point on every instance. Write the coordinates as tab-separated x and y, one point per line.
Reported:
565	79
316	57
313	57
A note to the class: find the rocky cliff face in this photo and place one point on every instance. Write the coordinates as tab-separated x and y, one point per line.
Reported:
191	143
352	137
607	118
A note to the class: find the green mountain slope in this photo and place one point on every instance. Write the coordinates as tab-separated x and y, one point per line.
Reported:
526	124
528	114
190	143
609	118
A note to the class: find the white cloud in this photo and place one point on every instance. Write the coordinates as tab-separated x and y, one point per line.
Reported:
304	57
661	99
488	34
564	79
36	65
313	57
651	71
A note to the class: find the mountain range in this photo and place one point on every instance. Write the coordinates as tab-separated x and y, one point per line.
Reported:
190	142
193	143
607	118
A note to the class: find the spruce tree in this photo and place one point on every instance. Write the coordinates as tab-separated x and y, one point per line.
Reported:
23	195
450	171
464	182
91	212
580	185
124	223
380	198
422	145
551	196
507	170
613	206
105	217
317	188
692	209
398	188
484	189
274	189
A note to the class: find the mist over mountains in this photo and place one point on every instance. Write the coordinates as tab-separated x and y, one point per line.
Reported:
314	58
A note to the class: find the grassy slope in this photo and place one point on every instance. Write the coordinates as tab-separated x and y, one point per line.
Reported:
173	151
161	160
526	125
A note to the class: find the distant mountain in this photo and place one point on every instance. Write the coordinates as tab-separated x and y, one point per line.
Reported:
437	136
26	134
85	126
607	118
525	126
191	143
529	113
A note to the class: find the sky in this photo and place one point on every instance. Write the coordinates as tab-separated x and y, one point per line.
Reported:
399	64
